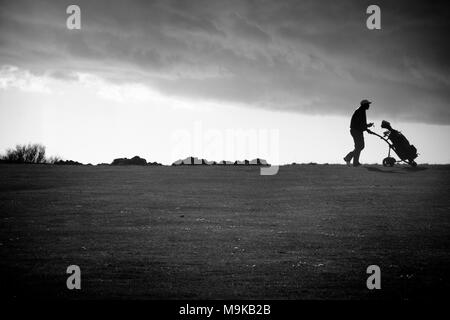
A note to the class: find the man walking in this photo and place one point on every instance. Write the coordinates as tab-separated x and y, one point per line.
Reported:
358	125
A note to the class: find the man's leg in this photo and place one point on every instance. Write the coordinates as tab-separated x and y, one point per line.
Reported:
359	146
348	158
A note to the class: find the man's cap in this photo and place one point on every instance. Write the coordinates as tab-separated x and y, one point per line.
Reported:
365	101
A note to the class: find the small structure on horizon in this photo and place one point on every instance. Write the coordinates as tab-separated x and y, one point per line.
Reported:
136	160
196	161
68	163
192	161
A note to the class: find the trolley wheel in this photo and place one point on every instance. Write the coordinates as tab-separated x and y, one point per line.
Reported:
388	162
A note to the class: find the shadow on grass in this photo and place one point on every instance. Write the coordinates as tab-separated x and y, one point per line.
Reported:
414	169
410	169
382	171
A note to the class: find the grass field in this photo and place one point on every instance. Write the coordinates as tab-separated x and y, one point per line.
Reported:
309	232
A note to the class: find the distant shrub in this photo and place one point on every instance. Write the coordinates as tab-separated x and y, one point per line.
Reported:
128	162
53	160
154	163
33	153
68	163
30	153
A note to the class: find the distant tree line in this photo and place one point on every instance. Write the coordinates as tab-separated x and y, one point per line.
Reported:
35	153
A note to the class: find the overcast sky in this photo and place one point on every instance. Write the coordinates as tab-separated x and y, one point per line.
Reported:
295	66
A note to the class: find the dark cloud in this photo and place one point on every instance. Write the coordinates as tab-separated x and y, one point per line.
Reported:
315	57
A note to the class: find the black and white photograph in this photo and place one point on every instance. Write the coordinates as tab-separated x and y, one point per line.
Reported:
224	150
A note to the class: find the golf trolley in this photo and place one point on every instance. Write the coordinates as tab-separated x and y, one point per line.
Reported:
397	142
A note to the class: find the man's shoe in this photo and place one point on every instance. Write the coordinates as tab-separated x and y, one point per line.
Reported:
347	162
356	164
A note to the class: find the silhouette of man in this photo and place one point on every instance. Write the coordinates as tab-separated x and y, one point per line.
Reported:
358	125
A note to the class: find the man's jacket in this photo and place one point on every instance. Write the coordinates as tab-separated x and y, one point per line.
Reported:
359	120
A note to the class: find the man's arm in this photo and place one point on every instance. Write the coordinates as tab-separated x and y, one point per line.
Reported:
366	125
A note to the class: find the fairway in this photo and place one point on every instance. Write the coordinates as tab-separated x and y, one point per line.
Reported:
210	232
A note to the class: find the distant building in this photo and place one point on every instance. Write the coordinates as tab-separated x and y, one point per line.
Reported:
192	161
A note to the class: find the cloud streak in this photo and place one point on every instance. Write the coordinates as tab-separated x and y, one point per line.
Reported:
13	77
